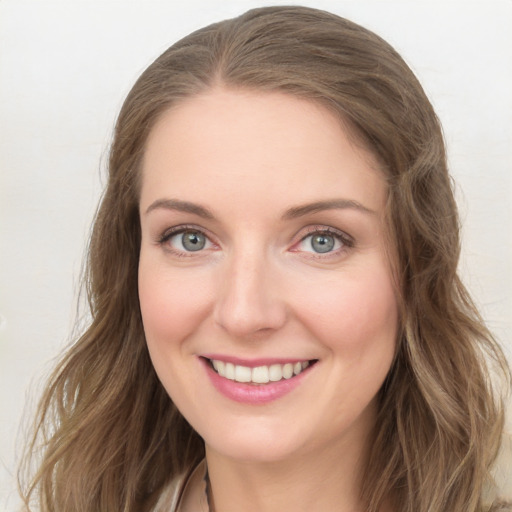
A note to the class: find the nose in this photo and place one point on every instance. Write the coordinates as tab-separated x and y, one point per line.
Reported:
250	301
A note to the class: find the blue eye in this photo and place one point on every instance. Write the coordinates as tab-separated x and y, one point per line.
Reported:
322	242
188	241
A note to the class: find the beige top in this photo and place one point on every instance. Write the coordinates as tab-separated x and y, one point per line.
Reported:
503	473
187	493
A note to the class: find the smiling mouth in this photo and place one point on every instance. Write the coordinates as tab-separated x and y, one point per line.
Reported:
259	374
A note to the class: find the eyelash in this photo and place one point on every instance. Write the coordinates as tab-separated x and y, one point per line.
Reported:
346	241
169	233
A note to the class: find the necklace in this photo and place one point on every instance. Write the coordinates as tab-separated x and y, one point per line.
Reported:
208	491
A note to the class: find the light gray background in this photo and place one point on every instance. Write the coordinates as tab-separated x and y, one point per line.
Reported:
65	67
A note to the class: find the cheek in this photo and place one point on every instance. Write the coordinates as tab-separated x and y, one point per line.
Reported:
354	312
172	303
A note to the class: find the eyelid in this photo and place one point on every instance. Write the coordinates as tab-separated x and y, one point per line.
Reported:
182	228
347	241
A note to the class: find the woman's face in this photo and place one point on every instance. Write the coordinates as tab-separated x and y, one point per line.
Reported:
263	255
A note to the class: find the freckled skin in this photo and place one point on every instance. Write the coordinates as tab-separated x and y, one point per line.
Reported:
258	289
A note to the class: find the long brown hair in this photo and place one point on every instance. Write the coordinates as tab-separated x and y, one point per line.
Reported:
110	436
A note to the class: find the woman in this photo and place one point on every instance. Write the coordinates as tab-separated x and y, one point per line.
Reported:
277	319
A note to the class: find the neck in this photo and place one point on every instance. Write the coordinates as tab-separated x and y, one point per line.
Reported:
312	482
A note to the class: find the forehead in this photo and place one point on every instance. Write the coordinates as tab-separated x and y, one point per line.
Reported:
246	145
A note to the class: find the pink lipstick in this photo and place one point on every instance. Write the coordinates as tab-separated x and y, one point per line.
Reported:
255	381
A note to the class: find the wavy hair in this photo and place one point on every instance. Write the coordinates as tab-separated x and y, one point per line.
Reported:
107	435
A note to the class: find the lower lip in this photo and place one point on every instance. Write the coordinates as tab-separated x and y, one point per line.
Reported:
254	394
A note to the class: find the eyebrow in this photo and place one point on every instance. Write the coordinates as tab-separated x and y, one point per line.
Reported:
291	213
181	206
320	206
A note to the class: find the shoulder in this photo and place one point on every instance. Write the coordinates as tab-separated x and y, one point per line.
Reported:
500	492
185	492
170	497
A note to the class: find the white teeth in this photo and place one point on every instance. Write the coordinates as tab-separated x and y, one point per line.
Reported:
242	374
258	374
275	372
288	370
229	371
217	365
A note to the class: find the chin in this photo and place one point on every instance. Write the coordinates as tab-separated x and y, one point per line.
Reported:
257	445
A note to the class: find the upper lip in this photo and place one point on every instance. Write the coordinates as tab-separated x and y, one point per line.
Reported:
253	363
